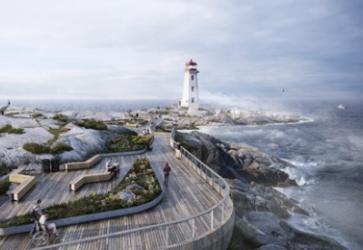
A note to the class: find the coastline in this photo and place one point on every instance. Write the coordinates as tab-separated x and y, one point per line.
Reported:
108	116
286	210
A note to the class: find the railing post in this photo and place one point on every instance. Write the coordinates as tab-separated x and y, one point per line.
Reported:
222	219
212	219
167	236
193	228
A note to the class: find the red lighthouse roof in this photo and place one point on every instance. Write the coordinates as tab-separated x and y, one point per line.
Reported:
191	63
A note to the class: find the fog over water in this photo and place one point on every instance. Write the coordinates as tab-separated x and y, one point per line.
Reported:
328	155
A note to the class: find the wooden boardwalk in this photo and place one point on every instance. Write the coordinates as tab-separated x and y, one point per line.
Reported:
188	195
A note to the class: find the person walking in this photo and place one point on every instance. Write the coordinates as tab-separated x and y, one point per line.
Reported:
166	170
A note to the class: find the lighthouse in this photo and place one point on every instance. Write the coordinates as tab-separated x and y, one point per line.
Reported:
190	98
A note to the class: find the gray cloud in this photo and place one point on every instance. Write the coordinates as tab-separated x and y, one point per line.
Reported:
136	49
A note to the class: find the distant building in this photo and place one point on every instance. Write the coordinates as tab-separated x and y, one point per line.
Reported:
190	98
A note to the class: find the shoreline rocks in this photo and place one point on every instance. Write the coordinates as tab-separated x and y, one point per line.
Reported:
233	161
262	212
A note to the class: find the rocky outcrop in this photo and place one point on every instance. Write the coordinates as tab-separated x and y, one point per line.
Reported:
236	161
262	213
204	117
261	221
85	142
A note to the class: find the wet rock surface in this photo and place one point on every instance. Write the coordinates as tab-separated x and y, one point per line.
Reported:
236	161
262	212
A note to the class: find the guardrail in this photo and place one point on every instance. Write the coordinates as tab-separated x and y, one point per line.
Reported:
170	234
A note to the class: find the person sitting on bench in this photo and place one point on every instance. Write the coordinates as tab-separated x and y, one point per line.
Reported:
112	167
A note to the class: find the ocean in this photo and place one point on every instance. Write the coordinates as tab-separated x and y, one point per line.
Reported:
89	105
328	157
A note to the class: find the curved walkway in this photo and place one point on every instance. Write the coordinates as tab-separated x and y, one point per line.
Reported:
188	195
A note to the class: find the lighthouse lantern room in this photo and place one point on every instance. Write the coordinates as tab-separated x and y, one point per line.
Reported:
190	98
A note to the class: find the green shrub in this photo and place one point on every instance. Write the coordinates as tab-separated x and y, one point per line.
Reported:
4	186
4	169
100	202
60	148
129	143
92	124
60	117
36	148
56	132
11	130
37	115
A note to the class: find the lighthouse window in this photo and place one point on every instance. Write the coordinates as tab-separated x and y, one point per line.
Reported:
192	77
192	88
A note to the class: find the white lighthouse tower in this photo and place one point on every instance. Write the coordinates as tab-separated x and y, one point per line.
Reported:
190	98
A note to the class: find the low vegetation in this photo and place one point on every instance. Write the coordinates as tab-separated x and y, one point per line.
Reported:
141	174
56	133
14	113
37	115
4	186
61	118
92	124
129	143
60	148
11	130
36	148
4	169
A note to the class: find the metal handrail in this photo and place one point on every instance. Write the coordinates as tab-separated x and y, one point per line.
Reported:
198	163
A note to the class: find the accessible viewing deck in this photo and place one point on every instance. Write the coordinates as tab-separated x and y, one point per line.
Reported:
196	211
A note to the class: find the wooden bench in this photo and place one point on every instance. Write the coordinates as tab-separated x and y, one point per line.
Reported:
26	182
83	164
81	180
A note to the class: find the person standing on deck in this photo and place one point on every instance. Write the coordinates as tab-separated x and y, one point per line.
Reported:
166	170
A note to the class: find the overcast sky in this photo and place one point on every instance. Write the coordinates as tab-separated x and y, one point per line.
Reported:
137	49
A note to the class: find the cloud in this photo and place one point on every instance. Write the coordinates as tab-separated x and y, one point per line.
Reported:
138	48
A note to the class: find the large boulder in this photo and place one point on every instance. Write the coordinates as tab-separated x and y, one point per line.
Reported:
249	197
264	230
126	196
85	142
261	228
135	188
261	221
236	161
272	247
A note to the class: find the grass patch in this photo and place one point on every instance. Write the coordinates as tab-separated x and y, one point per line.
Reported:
4	169
129	143
56	133
4	186
92	124
37	115
11	130
141	173
61	118
14	113
60	148
36	148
